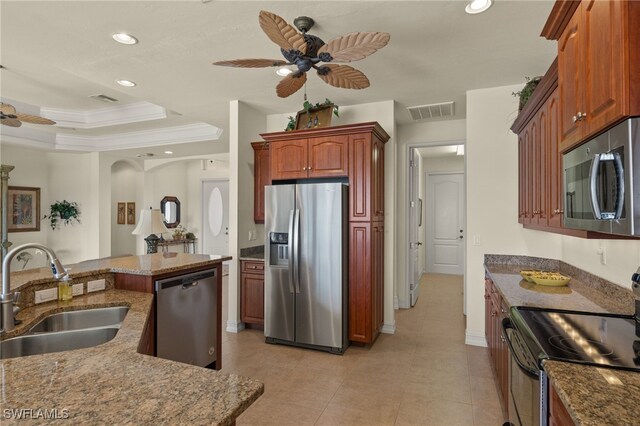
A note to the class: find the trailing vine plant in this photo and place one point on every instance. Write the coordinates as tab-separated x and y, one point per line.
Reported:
63	212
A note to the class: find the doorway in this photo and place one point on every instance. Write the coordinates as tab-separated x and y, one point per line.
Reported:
215	216
443	159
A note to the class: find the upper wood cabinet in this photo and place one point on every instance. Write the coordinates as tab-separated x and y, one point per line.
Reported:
261	178
310	158
598	60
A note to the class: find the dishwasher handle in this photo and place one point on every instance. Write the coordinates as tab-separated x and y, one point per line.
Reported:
186	281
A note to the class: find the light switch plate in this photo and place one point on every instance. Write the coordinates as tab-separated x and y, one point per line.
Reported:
46	295
78	289
95	285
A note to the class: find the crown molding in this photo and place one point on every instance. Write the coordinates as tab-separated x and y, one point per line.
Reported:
104	117
34	138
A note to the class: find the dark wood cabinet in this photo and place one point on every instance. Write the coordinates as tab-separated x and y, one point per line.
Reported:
355	152
261	178
597	68
252	292
310	158
496	309
558	414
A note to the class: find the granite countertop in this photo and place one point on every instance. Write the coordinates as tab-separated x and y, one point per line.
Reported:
592	395
148	264
112	383
255	253
597	396
253	257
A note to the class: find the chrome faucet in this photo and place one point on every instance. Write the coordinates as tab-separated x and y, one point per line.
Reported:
7	299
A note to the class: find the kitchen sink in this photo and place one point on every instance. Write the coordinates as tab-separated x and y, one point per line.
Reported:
77	320
57	341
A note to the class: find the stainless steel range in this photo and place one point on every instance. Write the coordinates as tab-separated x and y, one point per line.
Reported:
535	335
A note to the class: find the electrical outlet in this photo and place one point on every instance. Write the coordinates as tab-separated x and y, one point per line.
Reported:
95	285
602	251
78	289
46	295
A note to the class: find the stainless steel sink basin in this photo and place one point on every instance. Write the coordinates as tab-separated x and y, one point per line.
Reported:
35	344
77	320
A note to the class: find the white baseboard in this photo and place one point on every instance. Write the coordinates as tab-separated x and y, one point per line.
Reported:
388	328
234	327
475	339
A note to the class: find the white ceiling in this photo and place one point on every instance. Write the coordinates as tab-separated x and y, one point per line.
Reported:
58	53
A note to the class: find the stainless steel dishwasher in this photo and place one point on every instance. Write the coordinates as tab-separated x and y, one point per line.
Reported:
186	318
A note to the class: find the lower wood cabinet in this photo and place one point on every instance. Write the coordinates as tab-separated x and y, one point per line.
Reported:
558	414
495	311
252	292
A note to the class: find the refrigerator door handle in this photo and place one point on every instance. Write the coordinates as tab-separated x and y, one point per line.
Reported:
292	254
296	249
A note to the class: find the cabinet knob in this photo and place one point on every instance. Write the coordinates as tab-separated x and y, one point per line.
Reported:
582	116
493	314
304	168
575	118
309	168
502	339
561	211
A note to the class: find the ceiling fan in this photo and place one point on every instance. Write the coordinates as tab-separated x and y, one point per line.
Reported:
306	51
9	117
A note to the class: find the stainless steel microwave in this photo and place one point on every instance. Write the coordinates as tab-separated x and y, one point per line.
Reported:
602	182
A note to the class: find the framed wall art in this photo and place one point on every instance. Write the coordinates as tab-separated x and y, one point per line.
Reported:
131	213
23	209
122	213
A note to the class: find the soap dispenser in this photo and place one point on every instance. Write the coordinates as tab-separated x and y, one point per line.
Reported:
65	292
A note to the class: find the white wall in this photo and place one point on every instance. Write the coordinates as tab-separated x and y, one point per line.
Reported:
245	126
123	189
427	133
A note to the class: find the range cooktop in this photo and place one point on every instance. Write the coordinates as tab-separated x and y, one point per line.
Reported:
596	339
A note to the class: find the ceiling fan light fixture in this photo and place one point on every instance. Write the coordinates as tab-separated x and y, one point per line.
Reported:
126	83
478	6
125	38
283	71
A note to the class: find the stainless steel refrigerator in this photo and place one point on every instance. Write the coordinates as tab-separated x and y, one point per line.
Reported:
306	260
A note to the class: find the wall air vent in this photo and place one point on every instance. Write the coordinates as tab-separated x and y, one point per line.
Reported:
103	98
422	112
145	155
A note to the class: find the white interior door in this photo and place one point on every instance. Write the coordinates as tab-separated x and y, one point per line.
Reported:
215	217
445	220
414	234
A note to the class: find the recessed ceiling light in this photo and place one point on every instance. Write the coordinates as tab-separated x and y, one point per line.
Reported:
283	71
168	152
125	83
124	38
478	6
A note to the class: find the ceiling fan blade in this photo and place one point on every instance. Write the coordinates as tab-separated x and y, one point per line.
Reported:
345	77
252	63
355	46
281	33
34	119
7	109
290	85
11	122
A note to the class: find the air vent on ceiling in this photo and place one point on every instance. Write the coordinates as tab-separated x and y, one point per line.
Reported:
441	110
145	155
103	98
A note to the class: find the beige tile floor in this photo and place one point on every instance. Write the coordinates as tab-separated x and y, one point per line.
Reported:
423	374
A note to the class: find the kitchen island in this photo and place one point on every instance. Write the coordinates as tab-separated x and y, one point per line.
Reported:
113	382
591	395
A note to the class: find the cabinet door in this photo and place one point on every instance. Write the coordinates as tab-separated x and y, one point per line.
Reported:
261	177
377	257
555	186
288	159
570	72
252	298
488	323
542	169
528	176
377	170
360	283
522	177
328	156
360	179
536	168
604	63
503	351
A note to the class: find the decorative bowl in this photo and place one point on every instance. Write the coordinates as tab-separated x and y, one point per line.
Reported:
551	279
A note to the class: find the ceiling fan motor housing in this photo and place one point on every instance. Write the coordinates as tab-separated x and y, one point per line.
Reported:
303	23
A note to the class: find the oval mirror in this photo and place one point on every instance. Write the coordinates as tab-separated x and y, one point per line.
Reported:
170	208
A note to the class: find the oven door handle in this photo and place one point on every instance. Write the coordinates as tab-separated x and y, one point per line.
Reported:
593	177
619	167
506	324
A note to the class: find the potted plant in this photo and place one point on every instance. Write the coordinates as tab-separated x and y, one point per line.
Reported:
308	108
526	91
63	211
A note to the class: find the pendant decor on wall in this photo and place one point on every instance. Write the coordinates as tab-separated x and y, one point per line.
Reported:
306	51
